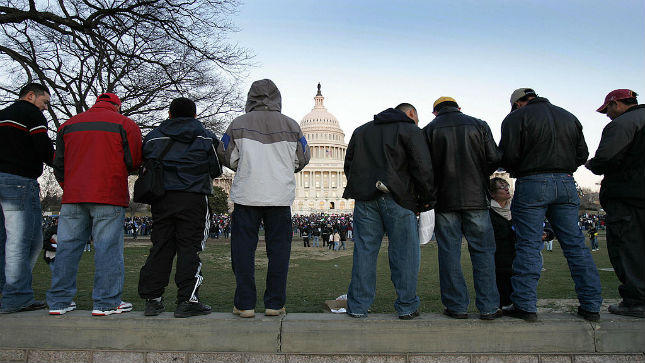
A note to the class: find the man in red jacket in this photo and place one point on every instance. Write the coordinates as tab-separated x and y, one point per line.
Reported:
95	152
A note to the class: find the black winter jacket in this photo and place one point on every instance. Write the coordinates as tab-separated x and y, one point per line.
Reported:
464	155
191	162
390	149
621	157
542	138
504	242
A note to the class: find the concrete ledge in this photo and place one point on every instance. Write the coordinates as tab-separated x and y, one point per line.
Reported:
315	334
57	356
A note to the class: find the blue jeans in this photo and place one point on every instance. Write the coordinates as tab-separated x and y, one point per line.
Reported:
554	196
371	220
476	226
76	224
21	239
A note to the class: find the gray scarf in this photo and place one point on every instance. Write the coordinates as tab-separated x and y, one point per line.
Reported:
502	211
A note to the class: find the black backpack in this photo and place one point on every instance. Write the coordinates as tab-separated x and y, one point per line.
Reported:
149	187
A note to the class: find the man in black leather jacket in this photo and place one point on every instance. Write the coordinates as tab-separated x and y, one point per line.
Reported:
543	145
464	155
621	158
389	174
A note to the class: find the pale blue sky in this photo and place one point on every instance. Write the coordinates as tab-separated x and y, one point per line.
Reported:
370	55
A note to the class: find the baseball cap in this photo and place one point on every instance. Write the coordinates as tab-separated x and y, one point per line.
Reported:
615	95
521	92
441	100
110	97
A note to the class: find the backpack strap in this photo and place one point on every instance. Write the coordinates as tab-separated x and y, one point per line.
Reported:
165	150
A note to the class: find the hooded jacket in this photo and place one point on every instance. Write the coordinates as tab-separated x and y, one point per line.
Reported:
542	138
464	155
390	149
191	162
264	148
621	157
95	151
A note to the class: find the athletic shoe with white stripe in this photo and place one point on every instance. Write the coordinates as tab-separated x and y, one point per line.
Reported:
71	307
124	307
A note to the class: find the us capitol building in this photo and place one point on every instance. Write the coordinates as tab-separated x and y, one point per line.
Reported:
320	185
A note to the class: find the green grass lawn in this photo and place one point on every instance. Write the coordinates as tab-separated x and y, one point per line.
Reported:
317	275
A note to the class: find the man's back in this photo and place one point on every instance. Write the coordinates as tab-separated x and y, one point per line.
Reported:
191	162
24	144
265	148
621	158
95	152
464	155
389	149
542	138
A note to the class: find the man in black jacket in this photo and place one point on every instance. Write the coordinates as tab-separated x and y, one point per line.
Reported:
24	147
181	219
464	155
542	146
389	174
621	157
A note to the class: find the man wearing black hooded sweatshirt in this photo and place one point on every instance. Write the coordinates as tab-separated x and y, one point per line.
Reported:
389	174
181	218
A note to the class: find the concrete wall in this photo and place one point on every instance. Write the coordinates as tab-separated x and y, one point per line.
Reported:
223	337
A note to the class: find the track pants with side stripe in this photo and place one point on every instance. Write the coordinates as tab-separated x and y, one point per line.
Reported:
180	226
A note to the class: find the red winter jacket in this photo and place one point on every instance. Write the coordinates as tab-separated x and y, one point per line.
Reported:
95	151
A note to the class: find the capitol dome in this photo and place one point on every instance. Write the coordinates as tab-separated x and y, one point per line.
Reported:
321	127
319	116
320	185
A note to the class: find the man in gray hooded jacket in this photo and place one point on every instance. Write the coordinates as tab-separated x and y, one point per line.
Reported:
265	148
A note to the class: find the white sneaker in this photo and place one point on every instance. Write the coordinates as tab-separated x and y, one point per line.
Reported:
124	307
72	306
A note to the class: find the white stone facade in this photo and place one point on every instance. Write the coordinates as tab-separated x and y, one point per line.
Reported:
320	185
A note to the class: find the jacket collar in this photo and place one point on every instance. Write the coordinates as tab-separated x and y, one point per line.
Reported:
448	109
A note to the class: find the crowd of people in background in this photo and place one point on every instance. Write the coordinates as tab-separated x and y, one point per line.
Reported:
324	230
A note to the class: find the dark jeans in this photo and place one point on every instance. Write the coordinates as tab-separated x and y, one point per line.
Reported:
625	244
181	228
245	223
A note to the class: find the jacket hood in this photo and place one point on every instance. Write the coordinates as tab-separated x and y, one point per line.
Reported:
538	99
106	105
182	129
263	96
391	115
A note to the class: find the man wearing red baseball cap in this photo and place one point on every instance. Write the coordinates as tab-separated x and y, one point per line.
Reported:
95	151
621	158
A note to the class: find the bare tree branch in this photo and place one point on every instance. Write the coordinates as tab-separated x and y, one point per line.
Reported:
146	51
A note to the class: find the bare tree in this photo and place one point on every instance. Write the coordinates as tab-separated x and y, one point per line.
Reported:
147	52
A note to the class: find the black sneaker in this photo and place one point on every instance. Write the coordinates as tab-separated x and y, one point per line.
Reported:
36	305
186	309
455	315
621	308
491	316
154	307
514	312
588	315
409	316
